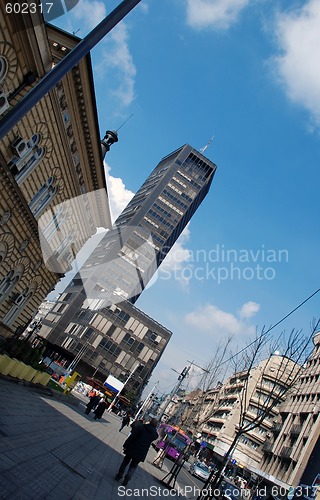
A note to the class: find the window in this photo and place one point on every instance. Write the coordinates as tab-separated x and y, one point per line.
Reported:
127	339
8	283
30	165
151	336
19	302
3	251
3	68
85	314
110	347
139	347
43	197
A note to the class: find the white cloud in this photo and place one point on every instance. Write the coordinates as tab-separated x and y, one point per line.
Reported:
89	12
116	60
214	13
211	319
298	68
249	309
119	195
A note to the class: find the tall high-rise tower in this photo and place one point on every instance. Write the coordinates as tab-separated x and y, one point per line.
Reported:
127	257
129	254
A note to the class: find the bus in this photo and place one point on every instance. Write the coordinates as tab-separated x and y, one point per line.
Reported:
172	440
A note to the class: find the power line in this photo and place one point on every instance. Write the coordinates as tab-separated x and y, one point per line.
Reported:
272	327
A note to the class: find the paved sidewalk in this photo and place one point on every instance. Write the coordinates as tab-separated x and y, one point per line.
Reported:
49	449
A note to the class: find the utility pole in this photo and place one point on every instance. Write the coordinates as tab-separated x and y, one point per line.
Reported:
64	66
181	378
172	475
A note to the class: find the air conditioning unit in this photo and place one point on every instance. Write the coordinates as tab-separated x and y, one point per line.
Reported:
20	147
4	103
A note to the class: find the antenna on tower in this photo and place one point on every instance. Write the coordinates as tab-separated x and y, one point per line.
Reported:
202	150
124	122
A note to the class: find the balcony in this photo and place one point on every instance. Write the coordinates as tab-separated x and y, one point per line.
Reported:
217	419
296	429
286	452
276	427
267	446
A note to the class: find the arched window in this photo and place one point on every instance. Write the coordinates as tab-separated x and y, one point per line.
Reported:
3	68
30	165
43	197
19	302
35	139
8	283
3	251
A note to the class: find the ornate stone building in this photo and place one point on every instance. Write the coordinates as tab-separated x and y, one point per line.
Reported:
53	190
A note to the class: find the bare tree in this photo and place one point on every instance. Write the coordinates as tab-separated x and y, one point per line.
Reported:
286	356
214	371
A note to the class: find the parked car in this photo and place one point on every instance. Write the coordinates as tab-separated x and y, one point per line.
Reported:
200	470
229	491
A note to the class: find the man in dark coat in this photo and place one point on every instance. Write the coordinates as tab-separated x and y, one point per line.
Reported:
94	401
99	411
136	447
125	421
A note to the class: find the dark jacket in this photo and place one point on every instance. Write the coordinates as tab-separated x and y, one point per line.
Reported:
99	411
94	400
139	441
126	420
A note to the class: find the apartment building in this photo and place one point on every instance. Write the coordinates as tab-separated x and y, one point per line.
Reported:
291	454
244	395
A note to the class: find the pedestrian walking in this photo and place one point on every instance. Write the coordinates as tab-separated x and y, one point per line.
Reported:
99	411
125	421
94	401
136	448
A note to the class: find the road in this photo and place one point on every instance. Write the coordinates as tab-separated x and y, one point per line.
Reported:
186	483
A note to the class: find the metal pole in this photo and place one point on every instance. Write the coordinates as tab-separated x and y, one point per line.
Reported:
124	384
146	401
181	378
64	66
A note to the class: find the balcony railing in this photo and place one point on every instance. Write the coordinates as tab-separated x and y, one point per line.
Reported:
296	429
286	452
267	446
276	427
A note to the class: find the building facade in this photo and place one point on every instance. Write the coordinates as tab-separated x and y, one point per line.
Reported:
51	156
126	258
118	340
291	454
217	412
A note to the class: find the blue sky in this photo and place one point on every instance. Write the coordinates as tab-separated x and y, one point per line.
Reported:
248	73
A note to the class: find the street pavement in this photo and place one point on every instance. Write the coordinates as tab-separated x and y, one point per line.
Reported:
49	449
